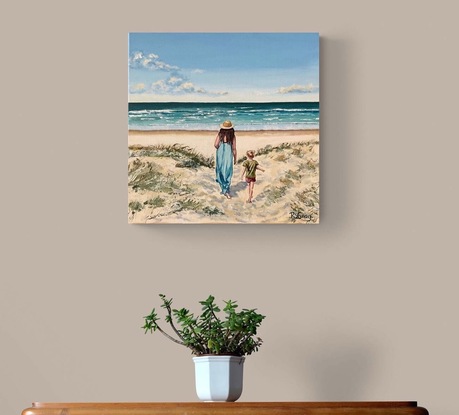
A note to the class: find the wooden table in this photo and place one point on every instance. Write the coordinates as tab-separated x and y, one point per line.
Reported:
228	408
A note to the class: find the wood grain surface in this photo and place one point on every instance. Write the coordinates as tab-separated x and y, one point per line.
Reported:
226	408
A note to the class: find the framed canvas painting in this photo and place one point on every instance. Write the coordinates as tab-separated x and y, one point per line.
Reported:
223	128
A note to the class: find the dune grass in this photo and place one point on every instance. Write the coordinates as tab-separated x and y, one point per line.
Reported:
146	175
185	156
162	191
155	202
177	205
167	194
298	149
135	206
305	206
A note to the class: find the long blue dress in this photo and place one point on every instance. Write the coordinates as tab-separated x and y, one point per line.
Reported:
224	166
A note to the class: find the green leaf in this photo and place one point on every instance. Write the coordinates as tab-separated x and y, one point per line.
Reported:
210	332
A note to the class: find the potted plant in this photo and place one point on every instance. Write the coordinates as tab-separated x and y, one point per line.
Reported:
219	343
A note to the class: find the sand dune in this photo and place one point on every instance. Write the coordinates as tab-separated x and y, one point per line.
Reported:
162	192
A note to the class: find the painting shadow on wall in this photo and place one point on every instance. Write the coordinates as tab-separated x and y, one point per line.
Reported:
339	147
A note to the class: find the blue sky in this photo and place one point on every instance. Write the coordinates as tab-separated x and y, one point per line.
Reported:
223	67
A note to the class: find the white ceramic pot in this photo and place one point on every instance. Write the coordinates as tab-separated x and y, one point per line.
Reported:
218	378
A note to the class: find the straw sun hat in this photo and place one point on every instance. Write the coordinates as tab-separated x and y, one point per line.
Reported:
226	125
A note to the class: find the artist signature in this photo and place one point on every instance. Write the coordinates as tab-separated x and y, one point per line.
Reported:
298	215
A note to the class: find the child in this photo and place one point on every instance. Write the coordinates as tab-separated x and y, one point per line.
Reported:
250	168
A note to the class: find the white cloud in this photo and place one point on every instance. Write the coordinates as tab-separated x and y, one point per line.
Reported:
190	87
138	88
159	86
295	89
175	81
177	85
139	60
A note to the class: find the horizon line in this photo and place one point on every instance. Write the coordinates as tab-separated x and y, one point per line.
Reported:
223	102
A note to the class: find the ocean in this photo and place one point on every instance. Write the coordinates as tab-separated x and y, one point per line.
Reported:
209	116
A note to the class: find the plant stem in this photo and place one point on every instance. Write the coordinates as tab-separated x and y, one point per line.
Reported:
200	340
236	339
169	312
218	320
169	336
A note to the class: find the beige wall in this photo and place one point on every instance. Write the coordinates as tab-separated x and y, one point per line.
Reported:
361	307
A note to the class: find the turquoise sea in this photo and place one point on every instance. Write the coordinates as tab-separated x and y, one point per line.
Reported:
208	116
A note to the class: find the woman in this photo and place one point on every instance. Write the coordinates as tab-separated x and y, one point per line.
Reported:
226	157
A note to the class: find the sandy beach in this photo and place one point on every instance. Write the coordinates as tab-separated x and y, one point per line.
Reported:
203	141
172	178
